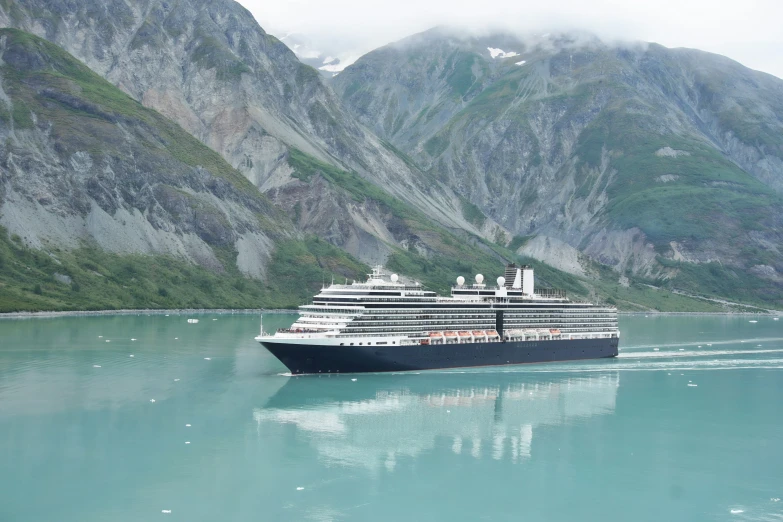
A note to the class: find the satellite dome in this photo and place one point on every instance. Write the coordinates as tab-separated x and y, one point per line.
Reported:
501	281
460	280
394	278
479	278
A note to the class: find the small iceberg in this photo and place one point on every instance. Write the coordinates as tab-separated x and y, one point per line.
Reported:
737	511
692	385
176	380
166	511
207	358
152	400
132	339
131	355
187	425
752	321
187	442
96	365
192	321
300	488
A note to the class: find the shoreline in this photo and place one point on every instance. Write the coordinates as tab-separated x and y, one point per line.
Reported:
146	311
252	311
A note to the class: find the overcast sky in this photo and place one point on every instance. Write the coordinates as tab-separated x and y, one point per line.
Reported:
749	31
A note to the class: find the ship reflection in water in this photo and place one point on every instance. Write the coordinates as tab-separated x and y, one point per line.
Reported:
373	421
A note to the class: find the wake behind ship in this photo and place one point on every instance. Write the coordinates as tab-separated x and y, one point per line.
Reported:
384	325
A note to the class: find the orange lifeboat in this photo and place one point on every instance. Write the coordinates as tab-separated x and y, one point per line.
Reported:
479	333
464	334
492	333
436	334
450	334
554	331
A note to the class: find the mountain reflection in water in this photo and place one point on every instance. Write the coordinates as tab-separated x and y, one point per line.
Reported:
356	424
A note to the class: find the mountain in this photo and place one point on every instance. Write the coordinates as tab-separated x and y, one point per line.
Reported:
664	164
105	203
208	66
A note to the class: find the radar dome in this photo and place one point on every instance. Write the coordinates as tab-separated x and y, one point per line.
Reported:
460	280
479	278
501	281
394	278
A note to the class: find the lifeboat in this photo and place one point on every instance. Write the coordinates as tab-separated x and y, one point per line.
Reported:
436	334
554	331
464	334
492	333
479	333
450	334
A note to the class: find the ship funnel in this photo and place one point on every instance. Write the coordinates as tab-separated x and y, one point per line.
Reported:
527	280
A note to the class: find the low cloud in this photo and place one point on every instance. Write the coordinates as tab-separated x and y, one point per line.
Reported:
747	31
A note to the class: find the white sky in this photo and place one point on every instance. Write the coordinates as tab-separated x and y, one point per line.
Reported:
749	31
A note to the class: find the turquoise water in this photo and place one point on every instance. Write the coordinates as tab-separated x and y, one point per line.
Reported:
624	439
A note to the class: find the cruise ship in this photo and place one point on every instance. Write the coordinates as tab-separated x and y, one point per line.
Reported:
384	324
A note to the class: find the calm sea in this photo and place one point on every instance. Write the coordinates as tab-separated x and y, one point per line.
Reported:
139	418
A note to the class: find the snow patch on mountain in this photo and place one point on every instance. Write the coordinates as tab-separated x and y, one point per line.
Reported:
500	53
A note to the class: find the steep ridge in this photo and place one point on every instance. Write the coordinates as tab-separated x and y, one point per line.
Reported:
86	169
211	68
662	163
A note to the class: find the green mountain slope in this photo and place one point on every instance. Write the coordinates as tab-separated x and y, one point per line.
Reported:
107	204
665	164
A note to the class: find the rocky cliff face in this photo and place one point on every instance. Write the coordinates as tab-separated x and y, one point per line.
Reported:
639	157
209	67
80	162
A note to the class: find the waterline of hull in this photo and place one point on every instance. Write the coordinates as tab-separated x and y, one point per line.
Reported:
309	359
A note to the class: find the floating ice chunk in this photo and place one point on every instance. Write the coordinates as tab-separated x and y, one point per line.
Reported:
214	319
132	339
187	425
775	499
152	400
737	511
167	511
656	349
131	355
520	63
176	380
300	488
448	411
753	321
108	341
699	346
692	385
187	442
668	374
192	321
100	337
682	349
353	380
96	365
775	319
709	344
207	358
167	315
176	338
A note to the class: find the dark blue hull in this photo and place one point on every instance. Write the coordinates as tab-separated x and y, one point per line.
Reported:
306	358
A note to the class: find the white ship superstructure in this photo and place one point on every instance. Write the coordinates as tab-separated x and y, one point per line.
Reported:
385	311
